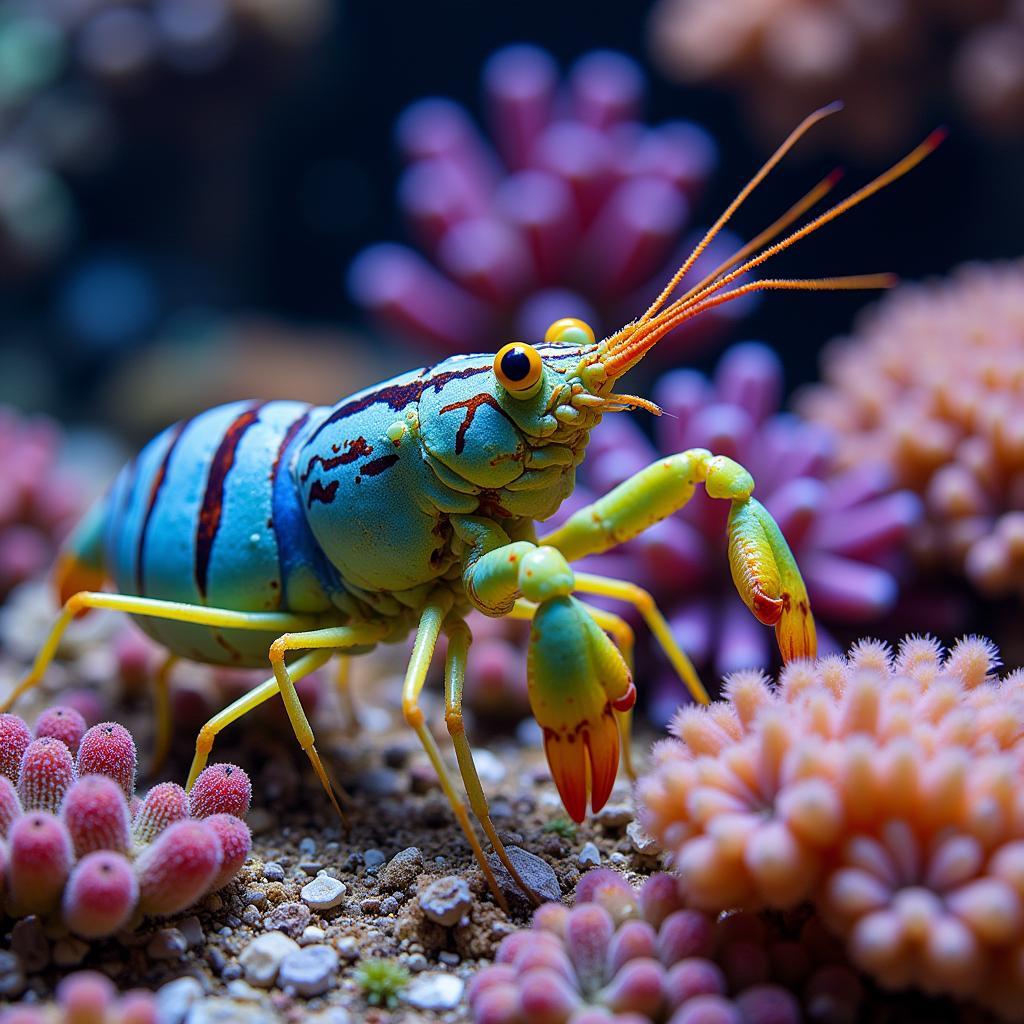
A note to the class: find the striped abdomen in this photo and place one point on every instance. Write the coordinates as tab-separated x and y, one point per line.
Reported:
208	514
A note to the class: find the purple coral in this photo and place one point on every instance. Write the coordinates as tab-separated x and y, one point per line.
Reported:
39	501
39	861
846	528
15	736
163	805
235	842
881	787
63	723
108	749
47	770
87	997
100	895
96	816
178	867
574	208
641	956
87	861
220	789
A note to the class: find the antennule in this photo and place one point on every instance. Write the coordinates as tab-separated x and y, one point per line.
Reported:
792	139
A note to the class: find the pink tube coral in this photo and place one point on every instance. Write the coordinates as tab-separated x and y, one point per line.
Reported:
638	956
88	863
574	207
931	382
881	787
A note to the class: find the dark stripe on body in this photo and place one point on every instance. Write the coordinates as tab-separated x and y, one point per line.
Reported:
213	499
398	396
154	494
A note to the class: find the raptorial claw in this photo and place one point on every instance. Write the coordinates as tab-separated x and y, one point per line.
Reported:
768	579
577	680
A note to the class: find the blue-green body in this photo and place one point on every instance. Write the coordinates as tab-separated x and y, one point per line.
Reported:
342	512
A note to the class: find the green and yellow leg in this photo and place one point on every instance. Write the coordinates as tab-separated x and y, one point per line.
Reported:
153	608
431	621
330	639
763	568
640	599
459	639
163	726
299	669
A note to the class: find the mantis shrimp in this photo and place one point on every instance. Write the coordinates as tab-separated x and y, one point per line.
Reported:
276	526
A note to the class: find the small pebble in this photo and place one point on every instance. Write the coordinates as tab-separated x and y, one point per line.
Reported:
251	917
309	971
69	952
642	843
323	893
290	918
28	941
272	871
307	846
312	935
261	959
347	947
231	972
311	867
255	898
401	870
332	1015
175	999
373	859
229	1011
446	900
192	930
536	872
416	962
590	856
435	991
166	944
389	905
451	959
614	816
380	782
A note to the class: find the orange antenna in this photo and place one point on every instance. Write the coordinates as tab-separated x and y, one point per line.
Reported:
794	137
854	282
908	163
630	343
793	214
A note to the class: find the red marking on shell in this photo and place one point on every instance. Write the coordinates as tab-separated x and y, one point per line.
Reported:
353	450
325	495
376	466
472	405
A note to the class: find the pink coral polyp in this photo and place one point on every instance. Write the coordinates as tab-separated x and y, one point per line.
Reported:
883	787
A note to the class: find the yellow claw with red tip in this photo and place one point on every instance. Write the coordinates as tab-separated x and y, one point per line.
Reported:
768	579
577	681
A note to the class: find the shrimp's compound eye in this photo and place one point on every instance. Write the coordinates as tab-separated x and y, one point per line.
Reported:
569	331
518	368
